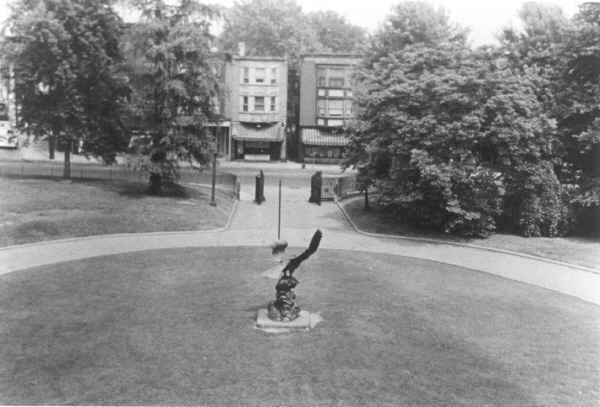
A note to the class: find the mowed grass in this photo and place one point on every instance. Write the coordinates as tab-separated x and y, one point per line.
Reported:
36	209
177	327
574	250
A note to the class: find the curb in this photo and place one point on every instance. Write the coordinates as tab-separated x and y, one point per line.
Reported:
471	246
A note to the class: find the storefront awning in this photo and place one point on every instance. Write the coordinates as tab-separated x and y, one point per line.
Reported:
245	132
316	137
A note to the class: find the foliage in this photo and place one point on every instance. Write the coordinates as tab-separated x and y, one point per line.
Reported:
173	86
66	62
335	33
269	27
566	56
450	134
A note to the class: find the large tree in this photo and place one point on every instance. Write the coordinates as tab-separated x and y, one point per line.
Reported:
451	137
269	27
335	33
66	59
566	56
173	86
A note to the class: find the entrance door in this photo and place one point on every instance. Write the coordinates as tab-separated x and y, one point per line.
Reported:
275	151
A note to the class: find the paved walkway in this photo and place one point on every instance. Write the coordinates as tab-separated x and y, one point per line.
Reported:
254	225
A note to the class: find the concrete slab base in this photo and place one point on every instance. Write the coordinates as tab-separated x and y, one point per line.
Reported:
303	323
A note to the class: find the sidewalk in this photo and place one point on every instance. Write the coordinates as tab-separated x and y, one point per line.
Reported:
256	225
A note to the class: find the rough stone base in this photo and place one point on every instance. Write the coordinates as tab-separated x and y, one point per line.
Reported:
302	323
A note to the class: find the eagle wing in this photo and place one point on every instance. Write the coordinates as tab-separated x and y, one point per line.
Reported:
312	247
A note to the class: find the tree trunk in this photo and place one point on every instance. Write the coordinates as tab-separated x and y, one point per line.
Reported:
155	187
67	167
367	199
51	146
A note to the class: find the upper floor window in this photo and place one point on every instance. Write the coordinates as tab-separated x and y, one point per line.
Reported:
322	107
273	75
244	103
336	81
259	75
321	77
335	107
259	103
273	103
246	77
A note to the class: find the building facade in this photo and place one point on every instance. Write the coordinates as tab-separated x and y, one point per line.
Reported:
326	106
256	106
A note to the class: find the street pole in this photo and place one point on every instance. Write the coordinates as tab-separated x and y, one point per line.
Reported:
214	179
279	215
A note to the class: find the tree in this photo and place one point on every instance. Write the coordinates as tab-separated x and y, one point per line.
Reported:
566	56
269	28
451	137
66	60
173	86
335	33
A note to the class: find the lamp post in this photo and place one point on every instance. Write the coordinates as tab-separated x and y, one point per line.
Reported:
214	179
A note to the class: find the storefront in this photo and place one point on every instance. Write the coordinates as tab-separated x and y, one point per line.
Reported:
321	146
258	142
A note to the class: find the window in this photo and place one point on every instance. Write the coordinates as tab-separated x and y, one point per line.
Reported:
322	92
336	82
246	75
320	122
335	108
244	103
273	75
335	123
322	107
273	103
259	103
336	93
321	77
348	93
259	75
347	107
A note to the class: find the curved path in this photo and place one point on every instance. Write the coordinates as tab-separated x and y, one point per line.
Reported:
256	225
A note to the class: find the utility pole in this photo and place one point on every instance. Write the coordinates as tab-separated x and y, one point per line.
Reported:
279	215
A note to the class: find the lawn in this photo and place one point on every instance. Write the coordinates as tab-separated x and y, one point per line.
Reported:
35	209
177	327
579	251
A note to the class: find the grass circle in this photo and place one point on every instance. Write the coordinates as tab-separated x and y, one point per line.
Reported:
177	327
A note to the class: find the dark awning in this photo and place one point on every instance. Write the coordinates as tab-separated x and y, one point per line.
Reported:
271	132
316	137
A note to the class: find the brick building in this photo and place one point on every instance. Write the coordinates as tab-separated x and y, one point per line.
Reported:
256	106
326	105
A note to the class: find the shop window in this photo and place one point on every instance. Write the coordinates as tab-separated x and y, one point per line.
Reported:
259	75
259	103
246	76
273	76
273	103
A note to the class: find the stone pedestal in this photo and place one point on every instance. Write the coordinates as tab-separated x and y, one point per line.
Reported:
302	323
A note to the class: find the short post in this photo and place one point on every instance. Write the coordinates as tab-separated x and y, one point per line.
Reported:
214	180
279	215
